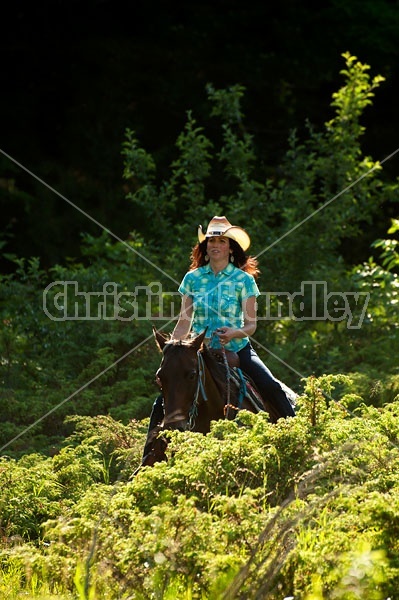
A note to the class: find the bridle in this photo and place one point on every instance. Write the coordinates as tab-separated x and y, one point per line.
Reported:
200	388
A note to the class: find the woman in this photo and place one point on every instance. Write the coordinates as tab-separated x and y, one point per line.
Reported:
219	293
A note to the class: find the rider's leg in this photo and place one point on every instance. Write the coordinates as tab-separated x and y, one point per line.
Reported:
266	383
156	418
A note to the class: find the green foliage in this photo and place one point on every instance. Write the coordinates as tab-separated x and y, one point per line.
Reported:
325	193
48	364
351	101
250	510
306	507
389	248
329	189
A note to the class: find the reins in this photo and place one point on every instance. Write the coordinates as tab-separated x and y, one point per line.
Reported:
200	388
237	377
193	413
227	404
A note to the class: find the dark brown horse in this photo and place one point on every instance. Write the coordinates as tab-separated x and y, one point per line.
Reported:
197	389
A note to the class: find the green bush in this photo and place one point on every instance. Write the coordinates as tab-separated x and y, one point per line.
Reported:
307	507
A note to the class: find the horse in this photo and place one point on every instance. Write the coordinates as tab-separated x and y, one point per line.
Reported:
199	386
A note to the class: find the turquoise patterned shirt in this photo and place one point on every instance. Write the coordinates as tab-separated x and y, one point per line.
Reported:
217	300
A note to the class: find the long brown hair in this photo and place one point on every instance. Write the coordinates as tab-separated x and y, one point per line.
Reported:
249	264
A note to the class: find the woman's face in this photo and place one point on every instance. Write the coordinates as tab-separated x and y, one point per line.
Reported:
218	248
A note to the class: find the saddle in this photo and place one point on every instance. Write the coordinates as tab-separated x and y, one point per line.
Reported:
245	387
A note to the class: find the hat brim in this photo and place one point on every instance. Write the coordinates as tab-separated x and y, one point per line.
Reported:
234	232
240	236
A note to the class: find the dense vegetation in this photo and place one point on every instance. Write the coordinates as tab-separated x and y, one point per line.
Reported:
76	74
306	508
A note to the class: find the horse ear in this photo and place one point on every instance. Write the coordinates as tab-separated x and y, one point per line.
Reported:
197	342
160	338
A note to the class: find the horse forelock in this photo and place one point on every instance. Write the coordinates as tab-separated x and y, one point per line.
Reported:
177	344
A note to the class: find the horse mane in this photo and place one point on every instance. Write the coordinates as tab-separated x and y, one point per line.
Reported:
180	342
216	369
168	341
177	343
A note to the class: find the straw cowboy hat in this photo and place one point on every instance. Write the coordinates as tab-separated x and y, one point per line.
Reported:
221	226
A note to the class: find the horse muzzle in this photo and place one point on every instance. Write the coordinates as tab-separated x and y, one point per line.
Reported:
176	425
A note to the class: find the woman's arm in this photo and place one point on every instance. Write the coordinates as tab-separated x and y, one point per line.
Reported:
249	309
183	325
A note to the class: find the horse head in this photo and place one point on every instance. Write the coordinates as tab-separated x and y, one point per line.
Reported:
179	377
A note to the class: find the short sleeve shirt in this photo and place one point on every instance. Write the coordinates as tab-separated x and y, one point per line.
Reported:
217	300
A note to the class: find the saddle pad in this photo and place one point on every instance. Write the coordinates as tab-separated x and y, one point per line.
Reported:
247	389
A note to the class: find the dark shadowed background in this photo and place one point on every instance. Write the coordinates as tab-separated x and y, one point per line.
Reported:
75	75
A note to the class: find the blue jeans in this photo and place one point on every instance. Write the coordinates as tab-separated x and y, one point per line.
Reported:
267	385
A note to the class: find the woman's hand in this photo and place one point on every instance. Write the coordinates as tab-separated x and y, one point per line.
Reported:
226	334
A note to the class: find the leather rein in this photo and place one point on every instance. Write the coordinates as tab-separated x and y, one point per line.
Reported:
200	390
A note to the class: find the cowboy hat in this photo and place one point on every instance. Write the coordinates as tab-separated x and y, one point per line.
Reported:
221	226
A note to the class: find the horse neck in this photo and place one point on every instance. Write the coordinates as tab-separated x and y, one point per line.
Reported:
216	377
